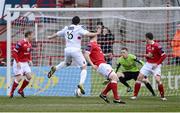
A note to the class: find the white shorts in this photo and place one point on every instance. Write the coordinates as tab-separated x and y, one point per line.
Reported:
105	69
23	70
74	54
147	70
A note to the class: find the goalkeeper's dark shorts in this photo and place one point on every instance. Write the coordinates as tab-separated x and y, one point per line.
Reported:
130	75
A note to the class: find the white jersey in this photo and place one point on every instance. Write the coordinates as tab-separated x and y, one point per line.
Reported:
73	35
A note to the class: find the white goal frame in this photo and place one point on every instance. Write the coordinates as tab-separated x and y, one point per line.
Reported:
9	11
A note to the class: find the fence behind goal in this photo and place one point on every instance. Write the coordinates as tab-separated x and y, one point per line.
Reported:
128	27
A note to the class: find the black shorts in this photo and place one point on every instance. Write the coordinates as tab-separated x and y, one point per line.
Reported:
130	75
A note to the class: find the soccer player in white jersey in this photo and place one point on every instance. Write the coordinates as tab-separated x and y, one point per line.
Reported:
73	35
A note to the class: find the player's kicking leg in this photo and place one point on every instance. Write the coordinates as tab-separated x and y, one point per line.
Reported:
51	72
112	85
106	70
61	65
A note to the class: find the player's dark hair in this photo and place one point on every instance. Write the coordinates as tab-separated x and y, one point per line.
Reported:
149	36
27	33
100	23
75	20
124	48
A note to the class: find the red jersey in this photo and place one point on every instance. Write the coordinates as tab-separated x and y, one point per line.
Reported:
158	54
96	54
22	51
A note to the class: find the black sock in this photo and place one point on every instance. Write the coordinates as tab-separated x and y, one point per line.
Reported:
123	81
148	85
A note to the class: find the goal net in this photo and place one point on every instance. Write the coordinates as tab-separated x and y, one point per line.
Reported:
127	26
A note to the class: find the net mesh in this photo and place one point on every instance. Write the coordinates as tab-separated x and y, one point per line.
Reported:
127	29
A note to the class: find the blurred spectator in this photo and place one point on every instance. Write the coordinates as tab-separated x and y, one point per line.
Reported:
106	40
100	25
176	45
2	53
2	62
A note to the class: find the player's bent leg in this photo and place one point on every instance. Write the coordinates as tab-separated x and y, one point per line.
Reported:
148	85
61	65
52	71
123	79
17	79
160	87
24	84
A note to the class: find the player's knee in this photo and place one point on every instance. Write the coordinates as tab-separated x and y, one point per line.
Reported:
158	82
140	77
145	80
18	77
119	74
28	76
84	67
114	77
158	79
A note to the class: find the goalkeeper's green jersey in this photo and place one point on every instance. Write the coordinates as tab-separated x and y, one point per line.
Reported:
128	64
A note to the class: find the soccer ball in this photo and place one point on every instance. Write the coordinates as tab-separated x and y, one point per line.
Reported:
78	92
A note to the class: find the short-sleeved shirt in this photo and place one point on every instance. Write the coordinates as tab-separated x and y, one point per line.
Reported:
156	50
73	35
128	64
22	51
96	54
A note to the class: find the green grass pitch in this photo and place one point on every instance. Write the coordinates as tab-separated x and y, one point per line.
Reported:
87	104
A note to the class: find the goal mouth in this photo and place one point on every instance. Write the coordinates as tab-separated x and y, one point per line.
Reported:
127	28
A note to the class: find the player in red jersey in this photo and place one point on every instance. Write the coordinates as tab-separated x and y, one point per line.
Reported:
95	57
22	57
154	56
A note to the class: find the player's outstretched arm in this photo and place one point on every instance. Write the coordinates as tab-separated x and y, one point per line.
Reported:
139	61
52	36
91	34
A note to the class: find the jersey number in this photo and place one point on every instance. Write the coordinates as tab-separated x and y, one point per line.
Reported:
70	35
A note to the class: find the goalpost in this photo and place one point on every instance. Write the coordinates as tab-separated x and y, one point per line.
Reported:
128	27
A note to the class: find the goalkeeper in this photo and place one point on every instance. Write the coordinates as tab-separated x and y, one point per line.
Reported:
127	64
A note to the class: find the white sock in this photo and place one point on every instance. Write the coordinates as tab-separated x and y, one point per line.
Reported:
60	65
83	76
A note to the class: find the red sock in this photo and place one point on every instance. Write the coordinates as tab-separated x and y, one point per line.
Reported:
107	89
137	88
25	83
115	91
14	86
161	90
